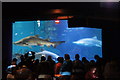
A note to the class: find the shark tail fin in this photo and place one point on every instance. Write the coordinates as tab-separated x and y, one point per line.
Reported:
57	43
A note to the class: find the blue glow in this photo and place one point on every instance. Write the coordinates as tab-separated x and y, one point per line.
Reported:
57	32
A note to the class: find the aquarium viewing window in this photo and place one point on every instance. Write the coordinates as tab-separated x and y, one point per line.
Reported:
51	37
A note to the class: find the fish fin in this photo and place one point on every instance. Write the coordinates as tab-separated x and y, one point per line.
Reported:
95	37
57	43
37	36
26	44
98	45
48	45
47	39
54	46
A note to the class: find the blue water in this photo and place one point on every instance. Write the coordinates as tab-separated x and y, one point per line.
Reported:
56	32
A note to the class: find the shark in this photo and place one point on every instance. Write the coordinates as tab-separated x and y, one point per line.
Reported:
46	54
89	42
36	41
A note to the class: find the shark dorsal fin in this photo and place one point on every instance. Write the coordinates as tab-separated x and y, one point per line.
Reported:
47	39
36	35
95	37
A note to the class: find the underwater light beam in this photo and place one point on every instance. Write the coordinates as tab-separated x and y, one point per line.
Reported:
38	21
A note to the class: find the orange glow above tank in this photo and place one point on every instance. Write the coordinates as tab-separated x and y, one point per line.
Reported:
64	17
56	11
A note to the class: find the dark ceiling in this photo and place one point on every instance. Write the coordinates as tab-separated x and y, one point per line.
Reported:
87	11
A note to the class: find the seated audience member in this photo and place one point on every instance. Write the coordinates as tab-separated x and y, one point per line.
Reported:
112	70
43	70
91	74
86	64
23	73
26	55
11	72
58	66
29	59
77	69
14	61
11	69
20	64
51	65
35	66
29	63
66	68
33	55
99	65
92	63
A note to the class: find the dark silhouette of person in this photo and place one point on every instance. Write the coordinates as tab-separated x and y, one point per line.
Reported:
86	64
23	73
11	73
14	61
58	66
33	55
11	69
98	60
92	63
34	69
20	64
99	65
66	68
51	65
112	70
78	71
26	55
29	63
91	74
43	69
